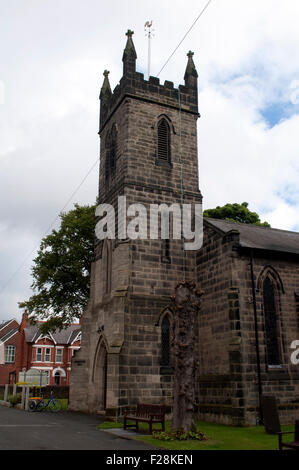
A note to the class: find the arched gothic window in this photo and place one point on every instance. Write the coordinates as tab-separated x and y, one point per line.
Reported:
107	265
165	258
163	147
165	341
271	324
99	373
110	149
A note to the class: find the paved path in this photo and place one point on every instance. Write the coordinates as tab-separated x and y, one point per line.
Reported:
65	430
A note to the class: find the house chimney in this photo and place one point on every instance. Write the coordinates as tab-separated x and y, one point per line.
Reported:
24	321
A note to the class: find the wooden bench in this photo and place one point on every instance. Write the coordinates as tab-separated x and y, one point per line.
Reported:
290	445
145	413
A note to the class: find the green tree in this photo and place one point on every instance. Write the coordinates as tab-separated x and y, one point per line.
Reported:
61	270
236	213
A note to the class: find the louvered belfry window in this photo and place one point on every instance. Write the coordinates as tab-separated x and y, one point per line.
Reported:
163	152
271	330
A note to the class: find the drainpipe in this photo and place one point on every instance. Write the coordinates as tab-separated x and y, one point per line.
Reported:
257	346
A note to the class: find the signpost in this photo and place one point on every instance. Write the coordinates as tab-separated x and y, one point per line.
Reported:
34	377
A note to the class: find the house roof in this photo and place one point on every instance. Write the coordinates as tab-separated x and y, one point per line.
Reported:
4	324
7	329
32	333
254	236
74	335
8	334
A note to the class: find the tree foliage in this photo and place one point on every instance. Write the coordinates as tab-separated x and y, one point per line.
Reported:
236	213
61	270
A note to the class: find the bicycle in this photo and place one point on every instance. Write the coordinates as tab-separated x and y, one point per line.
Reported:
40	404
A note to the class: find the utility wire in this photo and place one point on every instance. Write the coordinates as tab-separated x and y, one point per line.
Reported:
180	129
182	186
90	170
50	226
191	27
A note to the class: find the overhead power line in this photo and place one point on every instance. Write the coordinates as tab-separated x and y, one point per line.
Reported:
50	226
186	34
95	163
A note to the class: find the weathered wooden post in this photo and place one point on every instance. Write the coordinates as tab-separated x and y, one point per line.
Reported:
186	306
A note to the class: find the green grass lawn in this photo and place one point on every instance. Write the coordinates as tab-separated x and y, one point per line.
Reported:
219	437
64	403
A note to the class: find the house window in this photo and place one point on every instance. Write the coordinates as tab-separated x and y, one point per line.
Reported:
163	148
39	354
47	373
59	352
271	329
10	354
47	355
165	341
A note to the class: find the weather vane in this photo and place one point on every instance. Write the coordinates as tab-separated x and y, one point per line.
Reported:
149	34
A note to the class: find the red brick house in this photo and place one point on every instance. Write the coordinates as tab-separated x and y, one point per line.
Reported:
9	337
24	347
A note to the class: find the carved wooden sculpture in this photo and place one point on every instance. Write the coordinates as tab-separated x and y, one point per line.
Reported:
186	305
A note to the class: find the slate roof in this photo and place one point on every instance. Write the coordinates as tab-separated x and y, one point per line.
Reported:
263	238
73	335
4	324
8	334
65	336
5	331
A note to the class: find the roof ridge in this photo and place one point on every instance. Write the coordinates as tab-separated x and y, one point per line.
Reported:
250	225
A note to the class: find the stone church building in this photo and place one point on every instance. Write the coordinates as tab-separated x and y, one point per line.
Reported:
249	313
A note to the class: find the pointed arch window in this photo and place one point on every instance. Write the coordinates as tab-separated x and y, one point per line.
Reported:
165	258
99	372
107	265
110	149
271	323
165	341
163	146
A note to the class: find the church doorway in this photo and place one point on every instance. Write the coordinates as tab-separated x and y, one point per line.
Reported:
100	376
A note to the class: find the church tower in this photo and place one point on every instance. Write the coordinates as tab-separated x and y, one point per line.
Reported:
148	154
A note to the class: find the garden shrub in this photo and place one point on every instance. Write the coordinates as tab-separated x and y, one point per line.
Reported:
14	399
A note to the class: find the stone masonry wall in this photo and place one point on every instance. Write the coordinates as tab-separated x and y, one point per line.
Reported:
126	318
219	374
283	382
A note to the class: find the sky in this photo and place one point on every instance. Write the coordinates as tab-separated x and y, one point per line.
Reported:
52	57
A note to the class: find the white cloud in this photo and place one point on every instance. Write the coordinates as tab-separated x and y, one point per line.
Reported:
53	56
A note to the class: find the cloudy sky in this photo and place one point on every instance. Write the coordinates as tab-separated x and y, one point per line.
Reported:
52	56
